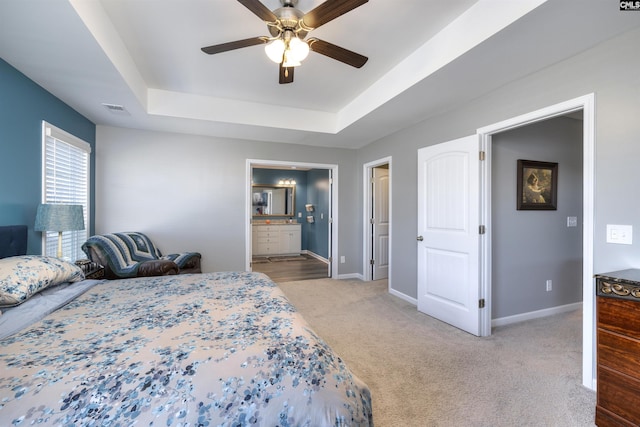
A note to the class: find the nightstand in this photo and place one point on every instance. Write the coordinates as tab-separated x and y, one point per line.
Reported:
92	270
95	273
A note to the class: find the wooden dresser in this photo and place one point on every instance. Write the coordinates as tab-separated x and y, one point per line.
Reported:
618	348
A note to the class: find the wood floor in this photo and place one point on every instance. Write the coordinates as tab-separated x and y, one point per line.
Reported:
288	269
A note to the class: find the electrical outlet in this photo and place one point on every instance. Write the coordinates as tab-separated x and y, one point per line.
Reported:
343	259
549	285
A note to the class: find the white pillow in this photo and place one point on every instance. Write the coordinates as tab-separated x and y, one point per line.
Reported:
23	276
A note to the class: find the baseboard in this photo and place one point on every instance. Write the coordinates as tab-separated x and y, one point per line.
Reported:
356	276
405	297
535	314
316	256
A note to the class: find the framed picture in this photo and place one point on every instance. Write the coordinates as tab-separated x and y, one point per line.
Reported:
537	187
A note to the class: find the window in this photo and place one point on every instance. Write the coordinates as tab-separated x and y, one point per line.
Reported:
65	164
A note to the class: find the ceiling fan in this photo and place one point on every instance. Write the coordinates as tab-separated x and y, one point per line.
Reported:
288	27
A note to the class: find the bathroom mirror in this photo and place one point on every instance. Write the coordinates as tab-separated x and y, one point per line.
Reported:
273	200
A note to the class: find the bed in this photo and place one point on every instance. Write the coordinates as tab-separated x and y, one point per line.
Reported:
215	349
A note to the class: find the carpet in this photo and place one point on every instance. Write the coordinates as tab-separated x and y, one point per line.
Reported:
423	372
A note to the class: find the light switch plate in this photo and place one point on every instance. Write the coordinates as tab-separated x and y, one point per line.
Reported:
620	234
572	221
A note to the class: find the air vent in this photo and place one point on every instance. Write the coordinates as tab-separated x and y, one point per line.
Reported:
116	109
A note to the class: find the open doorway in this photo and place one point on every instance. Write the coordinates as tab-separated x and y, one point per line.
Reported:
585	104
377	219
291	214
537	270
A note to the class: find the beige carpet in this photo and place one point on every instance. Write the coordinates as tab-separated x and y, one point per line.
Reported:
423	372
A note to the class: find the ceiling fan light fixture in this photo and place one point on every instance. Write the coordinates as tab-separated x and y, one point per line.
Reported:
290	53
298	49
289	27
288	63
275	50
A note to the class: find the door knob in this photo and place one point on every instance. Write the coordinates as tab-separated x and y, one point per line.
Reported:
419	238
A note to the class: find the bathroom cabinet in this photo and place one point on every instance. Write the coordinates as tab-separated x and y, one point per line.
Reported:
276	239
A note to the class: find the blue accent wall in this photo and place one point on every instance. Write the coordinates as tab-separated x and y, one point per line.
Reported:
318	195
23	107
311	187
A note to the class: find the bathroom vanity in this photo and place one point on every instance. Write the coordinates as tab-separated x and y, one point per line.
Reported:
276	238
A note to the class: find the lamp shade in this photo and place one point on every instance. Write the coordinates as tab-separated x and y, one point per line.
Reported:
52	217
275	50
298	50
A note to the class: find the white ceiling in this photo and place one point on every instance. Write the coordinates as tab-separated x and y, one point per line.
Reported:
425	57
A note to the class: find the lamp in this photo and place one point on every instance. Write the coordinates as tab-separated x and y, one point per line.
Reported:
287	49
289	181
52	217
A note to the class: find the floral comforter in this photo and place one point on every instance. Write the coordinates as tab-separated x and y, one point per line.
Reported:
218	349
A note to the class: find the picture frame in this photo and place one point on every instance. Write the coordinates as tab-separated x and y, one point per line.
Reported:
537	185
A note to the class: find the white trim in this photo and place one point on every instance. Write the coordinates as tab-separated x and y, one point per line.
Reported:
250	163
585	103
356	276
367	170
51	130
407	298
536	314
316	256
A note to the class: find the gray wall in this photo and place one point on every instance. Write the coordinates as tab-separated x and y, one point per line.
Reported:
605	70
530	247
188	192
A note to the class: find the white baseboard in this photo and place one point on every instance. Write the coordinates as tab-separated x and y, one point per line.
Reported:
405	297
535	314
351	276
316	256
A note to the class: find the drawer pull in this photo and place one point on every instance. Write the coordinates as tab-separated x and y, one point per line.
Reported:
620	289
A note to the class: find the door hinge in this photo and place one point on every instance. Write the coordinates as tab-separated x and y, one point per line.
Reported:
371	262
481	229
372	221
330	259
481	303
482	156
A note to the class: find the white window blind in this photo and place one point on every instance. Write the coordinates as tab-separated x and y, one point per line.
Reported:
65	181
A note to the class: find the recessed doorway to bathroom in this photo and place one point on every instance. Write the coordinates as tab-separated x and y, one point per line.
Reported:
290	216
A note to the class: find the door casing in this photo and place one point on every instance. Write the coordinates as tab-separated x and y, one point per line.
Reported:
333	208
585	103
367	171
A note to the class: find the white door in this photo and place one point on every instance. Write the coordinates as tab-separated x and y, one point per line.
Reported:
448	232
380	223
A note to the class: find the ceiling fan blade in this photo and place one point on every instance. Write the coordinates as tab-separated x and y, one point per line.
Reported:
328	11
286	74
259	9
336	52
224	47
